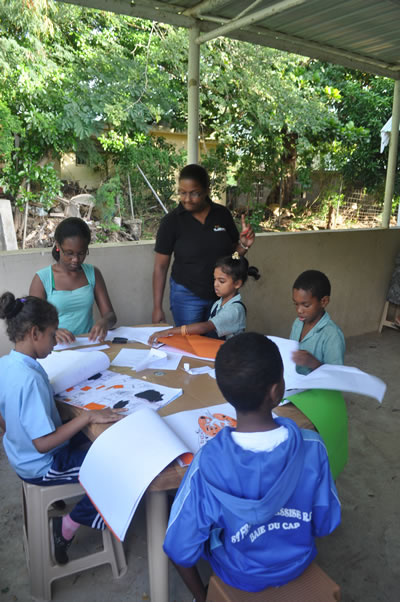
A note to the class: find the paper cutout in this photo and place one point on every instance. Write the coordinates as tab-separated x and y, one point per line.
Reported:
327	411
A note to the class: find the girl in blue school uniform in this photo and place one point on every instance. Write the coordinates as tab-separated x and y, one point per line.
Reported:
41	449
228	315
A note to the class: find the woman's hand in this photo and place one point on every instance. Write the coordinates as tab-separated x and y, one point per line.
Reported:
246	237
64	336
99	330
158	316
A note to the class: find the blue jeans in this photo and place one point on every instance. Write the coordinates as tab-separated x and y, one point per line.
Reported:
186	307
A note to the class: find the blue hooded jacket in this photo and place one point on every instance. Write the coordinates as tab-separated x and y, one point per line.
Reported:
254	515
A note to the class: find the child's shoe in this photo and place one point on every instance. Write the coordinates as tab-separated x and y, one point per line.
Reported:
61	544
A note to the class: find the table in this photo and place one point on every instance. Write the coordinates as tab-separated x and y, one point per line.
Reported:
199	391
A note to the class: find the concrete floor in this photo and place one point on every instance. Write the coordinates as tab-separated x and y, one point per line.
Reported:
362	555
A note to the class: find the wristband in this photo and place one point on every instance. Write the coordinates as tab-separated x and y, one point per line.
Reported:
184	330
243	246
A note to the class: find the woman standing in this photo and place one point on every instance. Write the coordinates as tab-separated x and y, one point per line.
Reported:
73	286
197	232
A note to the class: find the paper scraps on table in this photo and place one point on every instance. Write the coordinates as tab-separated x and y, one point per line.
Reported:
200	370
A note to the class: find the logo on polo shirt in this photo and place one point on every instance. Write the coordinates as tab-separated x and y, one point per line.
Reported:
219	228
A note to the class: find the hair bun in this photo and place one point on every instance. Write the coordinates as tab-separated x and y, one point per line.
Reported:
253	271
13	308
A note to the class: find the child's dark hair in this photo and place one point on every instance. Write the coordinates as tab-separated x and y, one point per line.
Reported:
197	173
237	267
68	228
24	313
314	281
246	367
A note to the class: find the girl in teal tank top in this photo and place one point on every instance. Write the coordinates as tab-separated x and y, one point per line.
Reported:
72	286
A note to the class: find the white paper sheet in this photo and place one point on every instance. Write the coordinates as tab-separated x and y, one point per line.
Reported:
286	348
141	359
129	358
140	334
98	348
123	461
79	342
340	378
68	368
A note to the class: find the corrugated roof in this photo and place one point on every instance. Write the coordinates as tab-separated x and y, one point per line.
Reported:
362	34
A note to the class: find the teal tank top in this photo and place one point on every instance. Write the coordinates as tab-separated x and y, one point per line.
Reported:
75	308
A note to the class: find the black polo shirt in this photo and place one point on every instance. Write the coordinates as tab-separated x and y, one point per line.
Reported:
197	246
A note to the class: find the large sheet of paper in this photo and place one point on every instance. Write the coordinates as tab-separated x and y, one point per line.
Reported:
120	391
340	378
124	460
327	376
68	368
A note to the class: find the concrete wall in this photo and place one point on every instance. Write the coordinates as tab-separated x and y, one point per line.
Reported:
359	264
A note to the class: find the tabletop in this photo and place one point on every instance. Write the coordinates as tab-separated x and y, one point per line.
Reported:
199	391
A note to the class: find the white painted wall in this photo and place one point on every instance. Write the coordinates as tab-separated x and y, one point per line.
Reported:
359	264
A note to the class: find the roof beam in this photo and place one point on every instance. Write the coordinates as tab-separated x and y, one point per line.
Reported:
316	51
199	9
255	17
162	12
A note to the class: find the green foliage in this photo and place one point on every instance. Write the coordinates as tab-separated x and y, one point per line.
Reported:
44	183
71	75
107	198
158	160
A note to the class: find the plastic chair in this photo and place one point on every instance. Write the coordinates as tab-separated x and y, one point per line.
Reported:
38	543
312	586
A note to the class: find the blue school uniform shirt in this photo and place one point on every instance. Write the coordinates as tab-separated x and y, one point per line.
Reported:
28	409
75	308
229	319
254	515
325	341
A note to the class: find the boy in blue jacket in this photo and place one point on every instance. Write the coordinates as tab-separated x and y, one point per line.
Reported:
255	497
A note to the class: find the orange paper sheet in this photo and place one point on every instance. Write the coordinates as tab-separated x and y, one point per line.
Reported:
194	343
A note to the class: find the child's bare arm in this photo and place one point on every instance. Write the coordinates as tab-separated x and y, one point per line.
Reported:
306	359
192	579
69	429
196	328
2	423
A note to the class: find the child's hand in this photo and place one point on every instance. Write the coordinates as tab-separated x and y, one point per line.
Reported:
64	336
160	333
306	359
105	416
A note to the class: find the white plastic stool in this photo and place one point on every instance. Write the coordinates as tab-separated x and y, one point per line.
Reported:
37	534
